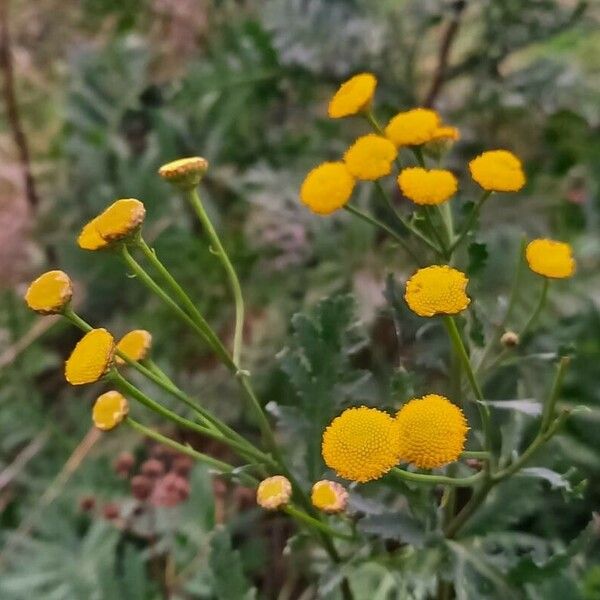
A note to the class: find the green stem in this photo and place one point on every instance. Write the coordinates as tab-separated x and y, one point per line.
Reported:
480	454
193	198
550	404
436	479
445	212
435	232
538	309
370	117
419	155
470	221
300	515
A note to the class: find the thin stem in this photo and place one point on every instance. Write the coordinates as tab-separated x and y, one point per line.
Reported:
419	155
435	232
193	198
468	509
300	515
550	404
480	454
436	479
370	117
470	221
538	309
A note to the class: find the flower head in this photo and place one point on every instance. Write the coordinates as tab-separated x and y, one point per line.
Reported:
370	157
413	127
361	444
327	187
274	492
437	290
184	172
427	186
446	132
49	293
329	496
135	345
432	431
91	358
353	96
89	238
121	219
498	171
550	258
109	410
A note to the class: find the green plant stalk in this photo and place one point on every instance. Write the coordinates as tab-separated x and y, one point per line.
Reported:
470	221
377	223
370	117
445	212
550	404
215	244
438	238
300	515
481	455
436	479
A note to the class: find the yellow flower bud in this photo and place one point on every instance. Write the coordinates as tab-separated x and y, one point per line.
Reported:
550	258
353	96
185	173
327	188
109	410
49	293
120	220
91	358
329	496
413	127
274	492
89	238
135	345
370	157
498	171
427	186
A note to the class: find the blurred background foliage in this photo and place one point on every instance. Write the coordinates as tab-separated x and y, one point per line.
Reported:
108	90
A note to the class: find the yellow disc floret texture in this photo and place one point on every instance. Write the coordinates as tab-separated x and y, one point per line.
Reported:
413	127
353	96
498	171
184	172
109	410
329	496
49	293
91	357
432	431
327	188
427	186
120	219
437	290
89	238
274	492
135	345
550	258
370	157
361	444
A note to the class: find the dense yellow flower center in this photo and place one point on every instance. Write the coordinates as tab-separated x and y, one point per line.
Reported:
135	345
109	410
427	186
91	357
49	293
550	258
436	290
327	188
370	157
353	96
329	496
185	172
432	431
89	238
120	219
361	444
413	127
274	492
498	171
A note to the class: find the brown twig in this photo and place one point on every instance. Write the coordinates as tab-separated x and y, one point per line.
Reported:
448	38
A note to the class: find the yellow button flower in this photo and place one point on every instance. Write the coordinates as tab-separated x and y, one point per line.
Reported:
109	410
91	358
49	293
433	431
327	188
184	172
370	157
437	290
413	127
427	186
329	496
274	492
135	345
353	96
445	132
498	171
550	258
120	219
89	238
361	444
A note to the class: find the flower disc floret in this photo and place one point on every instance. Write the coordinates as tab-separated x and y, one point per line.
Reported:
49	293
353	96
498	171
370	157
89	238
437	290
329	496
91	358
361	444
550	258
413	127
427	186
274	492
184	172
135	345
327	188
433	431
109	410
121	219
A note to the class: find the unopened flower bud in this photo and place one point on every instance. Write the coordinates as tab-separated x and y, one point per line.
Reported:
274	492
510	339
329	496
185	173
